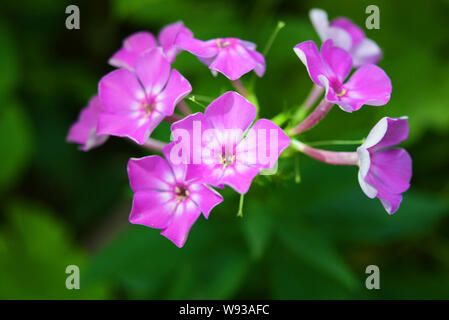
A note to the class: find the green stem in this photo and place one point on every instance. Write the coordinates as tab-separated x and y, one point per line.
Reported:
193	99
266	49
297	174
273	36
335	142
240	212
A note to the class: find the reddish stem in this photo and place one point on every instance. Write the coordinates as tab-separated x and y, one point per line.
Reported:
331	157
154	145
238	85
313	118
184	108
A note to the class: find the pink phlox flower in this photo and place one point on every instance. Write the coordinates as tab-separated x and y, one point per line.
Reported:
219	146
329	68
164	199
230	56
385	172
348	36
136	102
140	42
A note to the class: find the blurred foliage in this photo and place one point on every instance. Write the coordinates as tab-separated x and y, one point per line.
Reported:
60	206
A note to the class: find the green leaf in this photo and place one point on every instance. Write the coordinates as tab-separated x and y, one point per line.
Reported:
364	220
219	277
139	259
292	278
314	249
35	250
8	63
16	142
257	224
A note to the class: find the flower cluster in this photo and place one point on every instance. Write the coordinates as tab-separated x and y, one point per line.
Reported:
226	143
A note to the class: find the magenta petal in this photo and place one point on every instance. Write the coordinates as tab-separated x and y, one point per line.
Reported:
206	198
84	131
187	134
367	52
239	176
184	217
153	209
167	38
390	201
357	35
233	61
320	22
150	173
386	133
177	88
231	111
308	53
390	171
120	91
137	129
338	61
202	49
122	114
133	47
368	85
262	145
259	59
153	70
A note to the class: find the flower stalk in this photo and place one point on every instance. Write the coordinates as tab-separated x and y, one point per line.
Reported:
330	157
154	145
312	120
238	85
184	108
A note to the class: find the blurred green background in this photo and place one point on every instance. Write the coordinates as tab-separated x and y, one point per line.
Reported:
60	206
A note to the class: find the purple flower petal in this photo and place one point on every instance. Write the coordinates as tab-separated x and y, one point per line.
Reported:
357	34
120	91
367	52
167	39
262	145
153	70
153	209
390	171
150	173
320	22
259	60
126	125
239	176
337	60
231	111
368	85
183	218
133	47
390	201
176	89
206	198
202	49
84	131
308	53
386	133
233	61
